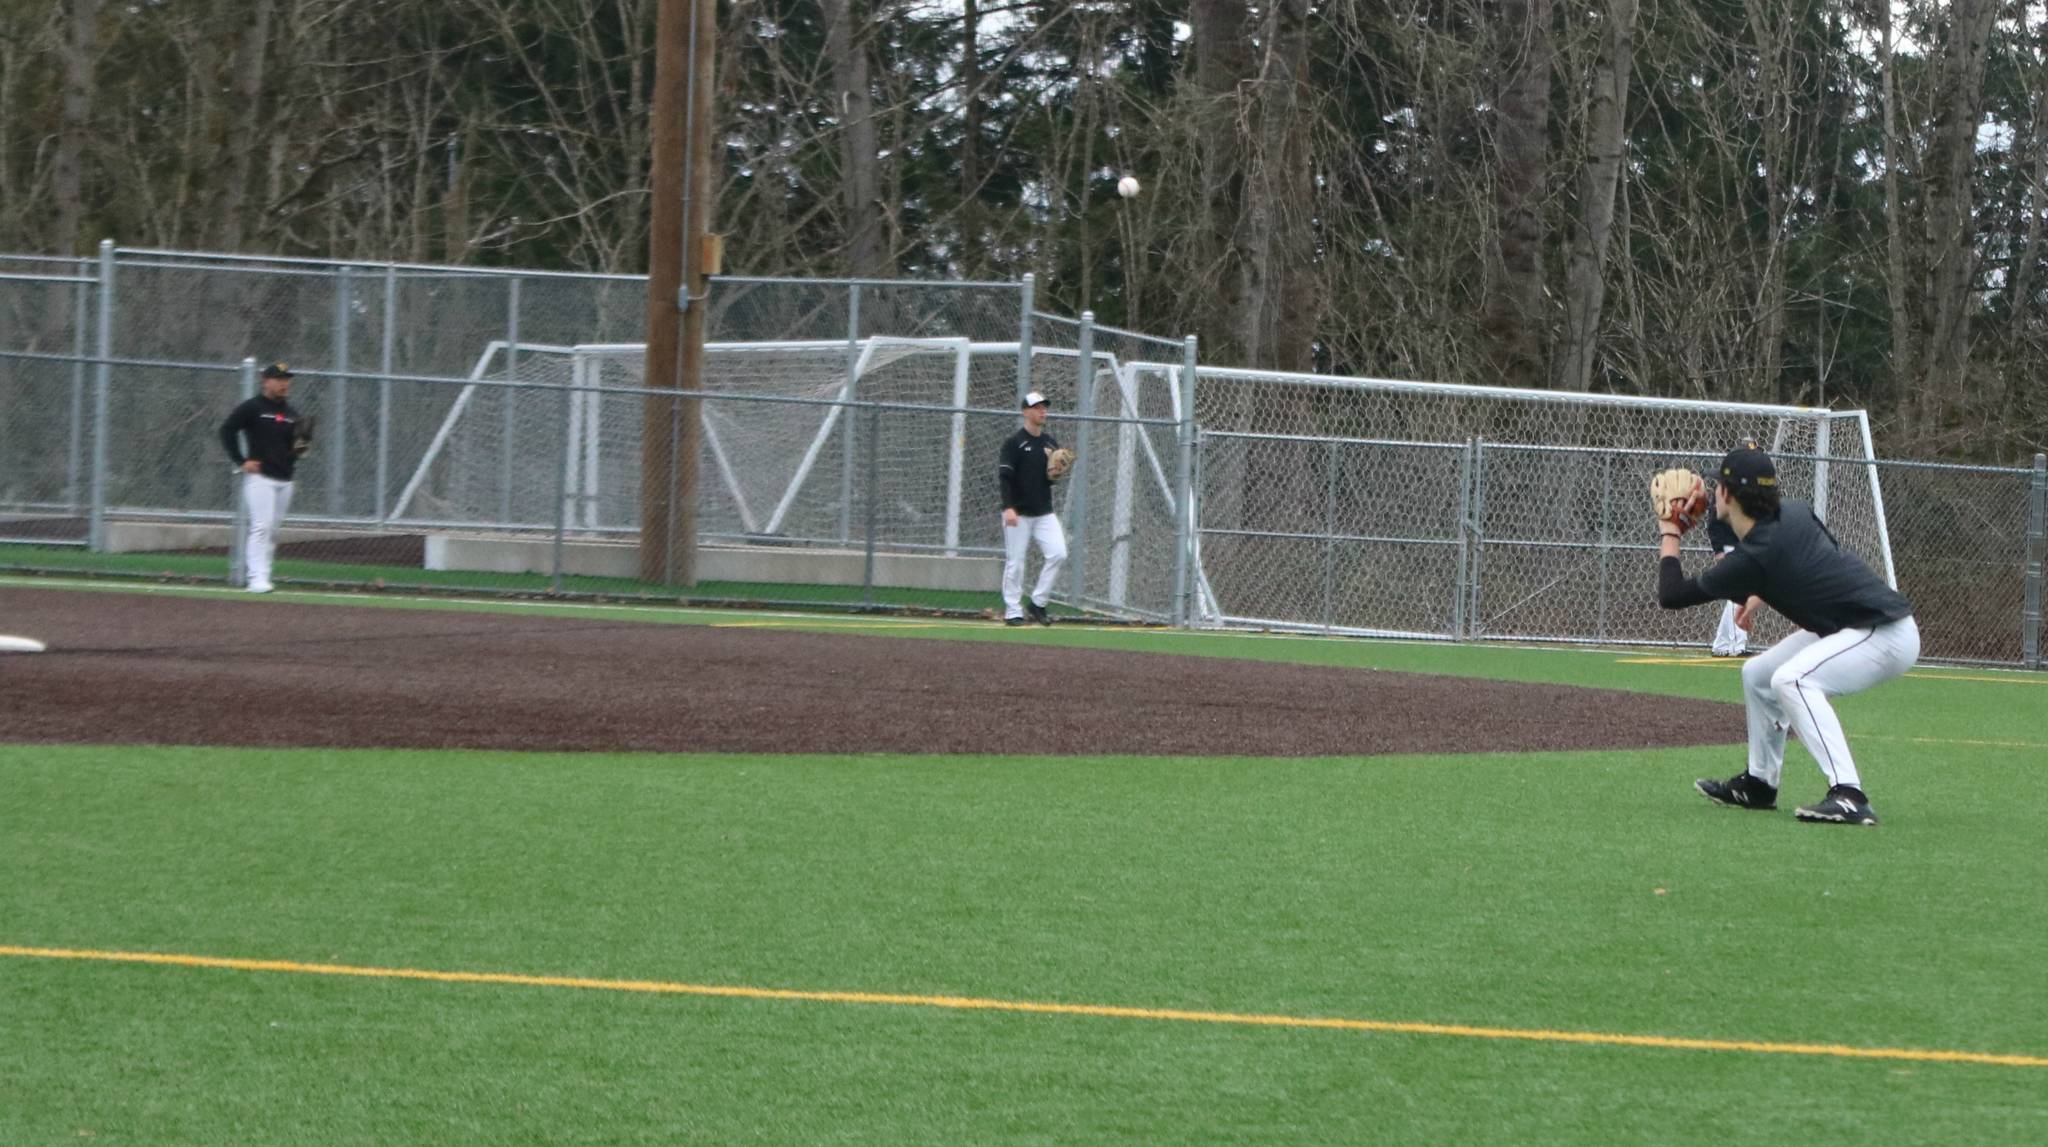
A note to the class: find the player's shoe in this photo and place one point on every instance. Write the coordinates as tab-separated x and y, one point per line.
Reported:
1037	613
1844	804
260	587
1743	790
1016	621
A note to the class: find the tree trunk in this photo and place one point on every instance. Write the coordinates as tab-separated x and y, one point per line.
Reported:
249	68
1223	64
68	165
1515	312
853	104
1586	282
1905	347
1951	226
1275	251
970	140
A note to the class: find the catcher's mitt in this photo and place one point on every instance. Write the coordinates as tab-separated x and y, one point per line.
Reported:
1679	497
302	435
1058	463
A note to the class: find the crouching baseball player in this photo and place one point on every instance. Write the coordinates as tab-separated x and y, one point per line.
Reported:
277	436
1854	631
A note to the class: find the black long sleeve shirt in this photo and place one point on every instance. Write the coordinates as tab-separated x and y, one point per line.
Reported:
1795	565
267	424
1026	489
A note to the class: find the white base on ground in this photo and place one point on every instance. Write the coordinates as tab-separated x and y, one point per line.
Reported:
20	645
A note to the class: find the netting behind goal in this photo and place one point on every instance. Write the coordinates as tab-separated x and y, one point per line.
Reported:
1369	506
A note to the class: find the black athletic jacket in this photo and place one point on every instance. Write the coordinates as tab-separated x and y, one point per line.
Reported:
267	422
1026	489
1795	565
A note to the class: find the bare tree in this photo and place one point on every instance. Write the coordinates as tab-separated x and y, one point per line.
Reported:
1586	281
859	149
1516	308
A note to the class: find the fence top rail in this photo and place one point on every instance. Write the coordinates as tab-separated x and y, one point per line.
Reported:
1465	390
748	346
1324	440
1106	329
47	278
1838	459
799	281
71	259
213	259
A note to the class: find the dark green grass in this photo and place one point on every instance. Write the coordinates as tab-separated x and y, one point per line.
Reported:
1504	890
1511	891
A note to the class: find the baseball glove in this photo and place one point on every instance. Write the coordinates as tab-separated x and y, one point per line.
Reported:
1058	463
1679	497
302	435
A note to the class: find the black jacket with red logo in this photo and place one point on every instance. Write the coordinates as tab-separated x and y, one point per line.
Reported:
267	424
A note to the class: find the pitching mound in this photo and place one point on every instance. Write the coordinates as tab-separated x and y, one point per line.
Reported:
135	669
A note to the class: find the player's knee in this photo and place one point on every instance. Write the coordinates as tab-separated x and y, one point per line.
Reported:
1786	681
1755	676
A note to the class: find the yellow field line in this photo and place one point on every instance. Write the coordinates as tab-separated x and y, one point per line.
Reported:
971	1003
1732	662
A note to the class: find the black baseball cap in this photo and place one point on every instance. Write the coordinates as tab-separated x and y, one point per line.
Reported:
277	370
1032	399
1748	466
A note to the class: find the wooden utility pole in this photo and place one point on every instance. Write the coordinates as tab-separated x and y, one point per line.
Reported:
680	252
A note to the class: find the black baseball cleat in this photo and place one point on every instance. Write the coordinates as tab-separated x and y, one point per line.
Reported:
1037	613
1015	621
1743	790
1844	804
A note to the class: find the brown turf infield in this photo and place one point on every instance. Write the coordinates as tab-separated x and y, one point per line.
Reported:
129	668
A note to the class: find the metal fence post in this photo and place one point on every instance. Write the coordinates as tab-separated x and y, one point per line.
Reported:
74	458
2037	541
238	538
387	357
1329	536
1459	532
337	431
846	430
571	395
1476	524
506	445
1077	502
874	437
102	381
1606	541
1028	298
1184	487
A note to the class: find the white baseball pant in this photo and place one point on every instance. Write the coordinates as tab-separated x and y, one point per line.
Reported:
1730	639
1052	542
1788	686
266	500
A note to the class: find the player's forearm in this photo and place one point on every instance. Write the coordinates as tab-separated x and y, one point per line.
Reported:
231	440
1674	589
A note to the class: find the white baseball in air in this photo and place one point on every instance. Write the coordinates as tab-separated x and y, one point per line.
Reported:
20	645
1127	187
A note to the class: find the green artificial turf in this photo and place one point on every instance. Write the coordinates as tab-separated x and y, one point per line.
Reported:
1509	891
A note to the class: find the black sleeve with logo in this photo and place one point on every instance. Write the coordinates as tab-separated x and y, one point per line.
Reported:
267	425
1021	473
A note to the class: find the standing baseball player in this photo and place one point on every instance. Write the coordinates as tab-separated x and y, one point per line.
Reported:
1854	631
276	435
1031	462
1730	638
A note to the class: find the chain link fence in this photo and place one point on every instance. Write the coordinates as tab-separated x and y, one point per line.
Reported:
483	429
